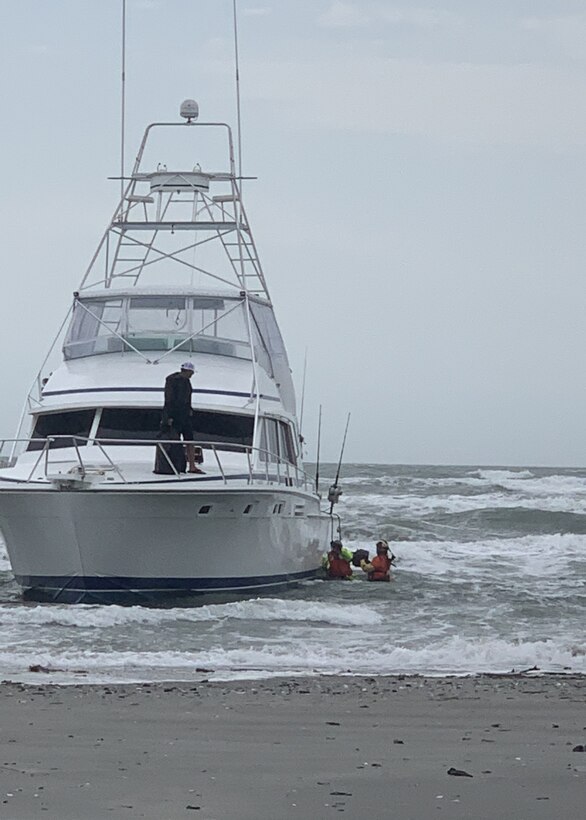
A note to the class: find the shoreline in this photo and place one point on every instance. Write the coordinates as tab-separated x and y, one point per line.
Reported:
39	676
310	748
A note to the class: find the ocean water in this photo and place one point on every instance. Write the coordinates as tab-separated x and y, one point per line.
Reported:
490	577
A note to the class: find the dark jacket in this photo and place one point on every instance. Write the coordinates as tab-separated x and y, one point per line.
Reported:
177	397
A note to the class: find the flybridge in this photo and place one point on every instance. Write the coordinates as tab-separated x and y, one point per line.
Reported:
138	247
179	182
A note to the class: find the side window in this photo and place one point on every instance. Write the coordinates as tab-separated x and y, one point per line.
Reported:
287	448
273	437
264	446
92	326
269	440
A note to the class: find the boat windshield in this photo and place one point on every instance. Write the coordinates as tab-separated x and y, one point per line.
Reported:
158	323
191	324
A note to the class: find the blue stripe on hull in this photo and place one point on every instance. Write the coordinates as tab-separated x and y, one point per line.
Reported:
113	589
203	391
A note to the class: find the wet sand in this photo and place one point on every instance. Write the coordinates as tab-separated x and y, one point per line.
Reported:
297	748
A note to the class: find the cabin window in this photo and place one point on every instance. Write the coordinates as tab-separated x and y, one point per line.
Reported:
224	428
268	330
277	439
269	441
156	322
205	509
69	423
202	324
263	357
140	424
287	448
93	327
129	423
221	327
273	439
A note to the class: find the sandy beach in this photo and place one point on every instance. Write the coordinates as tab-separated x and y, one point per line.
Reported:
297	748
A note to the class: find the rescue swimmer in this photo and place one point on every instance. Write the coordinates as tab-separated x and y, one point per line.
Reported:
379	569
336	562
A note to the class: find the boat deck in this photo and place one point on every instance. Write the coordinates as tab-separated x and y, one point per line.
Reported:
100	466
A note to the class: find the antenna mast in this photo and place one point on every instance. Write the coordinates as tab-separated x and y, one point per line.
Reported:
123	100
237	66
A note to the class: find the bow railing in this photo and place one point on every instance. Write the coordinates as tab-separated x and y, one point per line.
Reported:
260	465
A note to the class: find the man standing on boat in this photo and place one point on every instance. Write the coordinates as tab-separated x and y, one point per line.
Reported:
178	413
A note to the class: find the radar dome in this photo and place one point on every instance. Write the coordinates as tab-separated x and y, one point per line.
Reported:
189	110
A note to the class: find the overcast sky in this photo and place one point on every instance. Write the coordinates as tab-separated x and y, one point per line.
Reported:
419	207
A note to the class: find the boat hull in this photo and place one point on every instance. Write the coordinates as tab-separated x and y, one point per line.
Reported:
88	546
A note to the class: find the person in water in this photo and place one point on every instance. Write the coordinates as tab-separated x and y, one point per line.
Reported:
337	562
379	569
177	412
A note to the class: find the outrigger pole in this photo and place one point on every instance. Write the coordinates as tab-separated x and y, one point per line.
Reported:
335	492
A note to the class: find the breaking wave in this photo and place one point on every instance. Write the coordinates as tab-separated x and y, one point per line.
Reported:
455	655
490	577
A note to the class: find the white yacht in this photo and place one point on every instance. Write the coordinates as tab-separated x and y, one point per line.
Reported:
83	514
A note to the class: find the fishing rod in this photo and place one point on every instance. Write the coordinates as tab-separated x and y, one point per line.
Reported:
317	454
335	492
303	394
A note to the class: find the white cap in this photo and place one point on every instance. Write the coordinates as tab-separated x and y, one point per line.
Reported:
188	366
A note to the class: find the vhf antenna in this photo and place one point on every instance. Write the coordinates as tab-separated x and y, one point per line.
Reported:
123	100
237	67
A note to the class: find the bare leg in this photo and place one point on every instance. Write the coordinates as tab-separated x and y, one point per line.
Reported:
190	453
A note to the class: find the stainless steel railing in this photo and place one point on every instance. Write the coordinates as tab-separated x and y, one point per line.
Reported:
262	466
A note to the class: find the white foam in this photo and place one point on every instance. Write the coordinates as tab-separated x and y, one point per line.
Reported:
503	489
453	655
4	559
259	609
538	556
361	507
496	476
548	485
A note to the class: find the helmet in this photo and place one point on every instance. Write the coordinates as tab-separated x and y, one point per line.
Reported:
382	544
336	544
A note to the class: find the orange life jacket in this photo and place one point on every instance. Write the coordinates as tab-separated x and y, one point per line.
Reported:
338	567
382	565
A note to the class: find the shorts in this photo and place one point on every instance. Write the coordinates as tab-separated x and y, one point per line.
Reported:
184	427
181	424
